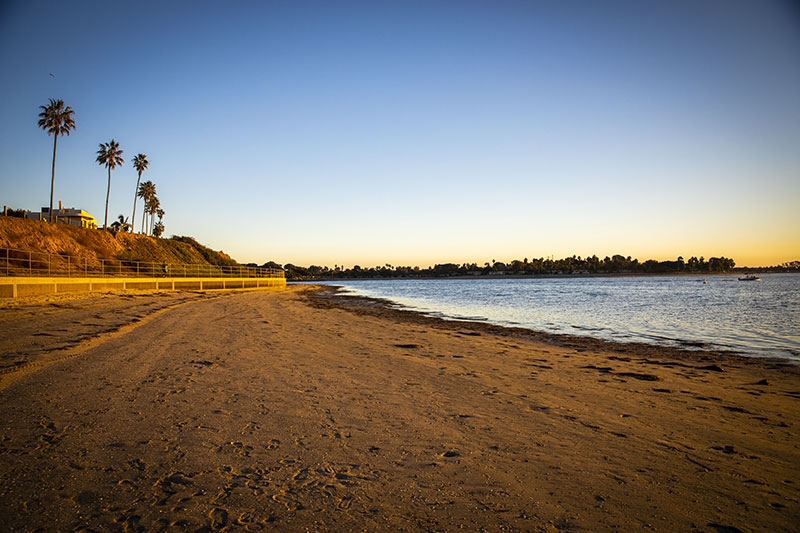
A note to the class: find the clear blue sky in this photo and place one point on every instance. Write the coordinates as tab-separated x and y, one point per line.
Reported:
420	132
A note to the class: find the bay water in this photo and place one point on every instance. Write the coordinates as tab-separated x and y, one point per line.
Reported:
752	318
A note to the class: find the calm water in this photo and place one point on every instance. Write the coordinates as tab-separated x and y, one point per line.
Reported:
751	318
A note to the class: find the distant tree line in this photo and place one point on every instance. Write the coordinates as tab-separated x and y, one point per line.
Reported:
790	266
542	266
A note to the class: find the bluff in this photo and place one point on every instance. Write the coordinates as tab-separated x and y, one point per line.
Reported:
96	245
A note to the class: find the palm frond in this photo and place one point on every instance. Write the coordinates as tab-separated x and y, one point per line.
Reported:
110	155
140	163
56	119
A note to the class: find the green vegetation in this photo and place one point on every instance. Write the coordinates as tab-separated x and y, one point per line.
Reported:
574	265
121	224
91	245
212	257
55	119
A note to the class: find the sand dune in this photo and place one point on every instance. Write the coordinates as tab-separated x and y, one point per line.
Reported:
293	411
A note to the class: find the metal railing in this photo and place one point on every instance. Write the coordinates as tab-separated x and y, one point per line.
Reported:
28	263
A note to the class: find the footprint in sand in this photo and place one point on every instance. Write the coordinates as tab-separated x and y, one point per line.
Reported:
286	497
345	503
218	517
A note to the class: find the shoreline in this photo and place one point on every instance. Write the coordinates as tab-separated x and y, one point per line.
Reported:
357	303
297	410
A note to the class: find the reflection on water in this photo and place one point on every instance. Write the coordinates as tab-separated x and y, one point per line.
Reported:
753	318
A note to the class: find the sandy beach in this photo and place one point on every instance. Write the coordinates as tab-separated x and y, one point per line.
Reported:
293	410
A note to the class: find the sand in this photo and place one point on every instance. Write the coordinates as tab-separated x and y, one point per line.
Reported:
294	411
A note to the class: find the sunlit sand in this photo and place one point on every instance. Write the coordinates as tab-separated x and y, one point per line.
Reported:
291	411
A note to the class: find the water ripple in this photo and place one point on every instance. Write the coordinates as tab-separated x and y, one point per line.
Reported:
758	319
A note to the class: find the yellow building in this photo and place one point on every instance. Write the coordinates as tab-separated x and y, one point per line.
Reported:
70	215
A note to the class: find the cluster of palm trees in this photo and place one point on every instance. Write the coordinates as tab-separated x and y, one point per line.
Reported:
57	119
152	209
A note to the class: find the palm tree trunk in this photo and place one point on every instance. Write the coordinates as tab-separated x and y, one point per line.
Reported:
135	195
108	193
53	178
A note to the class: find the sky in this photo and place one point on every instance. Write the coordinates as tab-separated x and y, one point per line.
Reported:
419	132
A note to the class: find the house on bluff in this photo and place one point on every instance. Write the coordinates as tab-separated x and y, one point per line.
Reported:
70	215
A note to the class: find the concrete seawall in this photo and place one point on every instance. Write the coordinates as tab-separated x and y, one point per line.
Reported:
18	287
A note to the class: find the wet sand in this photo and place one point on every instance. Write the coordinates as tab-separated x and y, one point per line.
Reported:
294	411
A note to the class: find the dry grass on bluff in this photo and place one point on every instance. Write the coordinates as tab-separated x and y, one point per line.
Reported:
96	245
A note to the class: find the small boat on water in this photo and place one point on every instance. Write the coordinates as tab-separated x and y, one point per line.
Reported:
749	277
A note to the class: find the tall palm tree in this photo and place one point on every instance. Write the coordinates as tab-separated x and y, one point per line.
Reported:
140	163
147	191
56	120
109	155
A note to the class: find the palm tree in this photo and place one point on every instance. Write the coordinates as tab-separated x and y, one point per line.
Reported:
140	164
158	228
109	155
56	120
153	207
121	224
147	191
